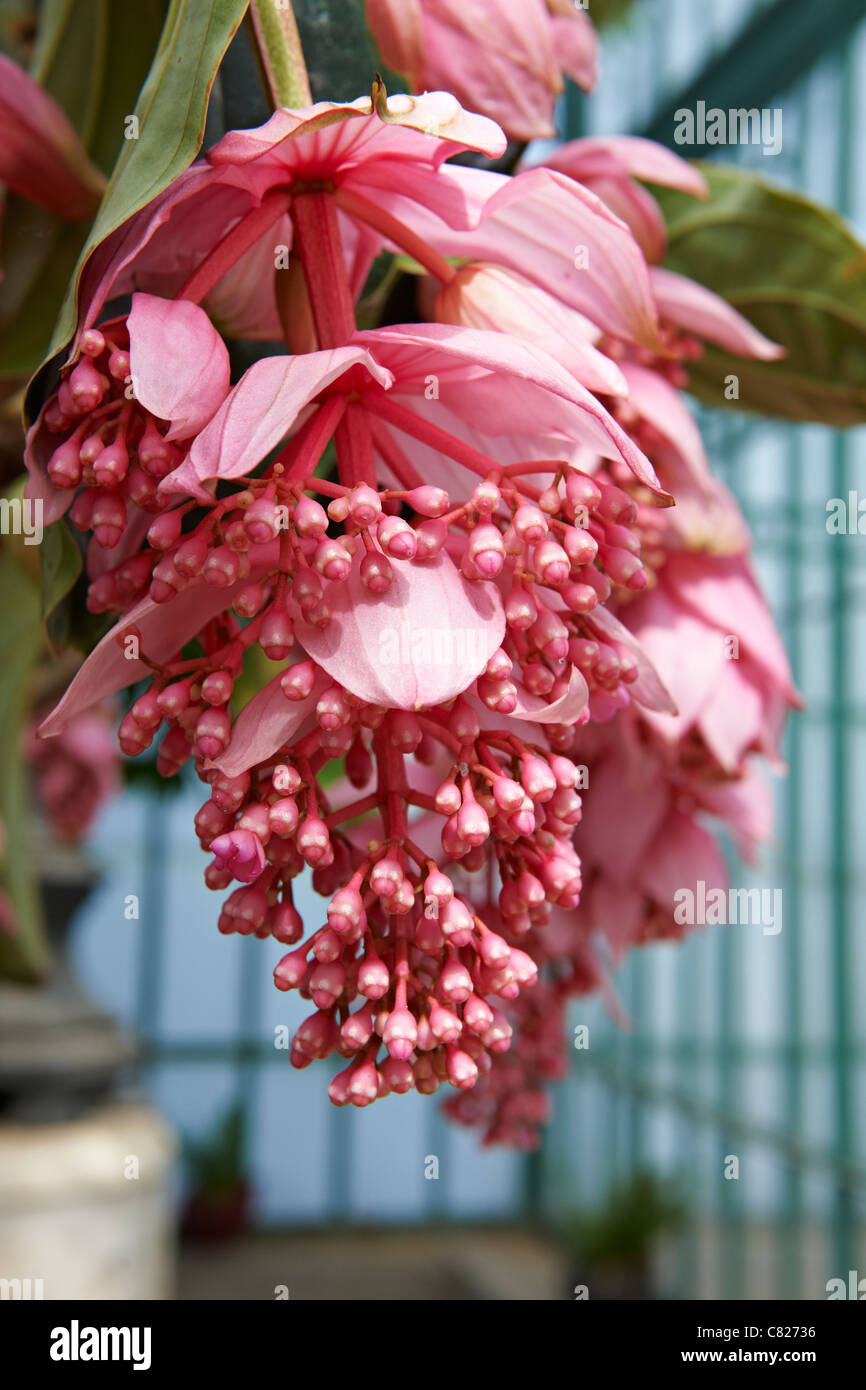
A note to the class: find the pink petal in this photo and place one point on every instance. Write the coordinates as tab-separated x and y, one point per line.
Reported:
732	719
643	159
687	653
164	628
535	710
259	412
575	44
551	230
723	591
708	316
420	643
488	297
648	689
470	364
682	855
179	363
264	725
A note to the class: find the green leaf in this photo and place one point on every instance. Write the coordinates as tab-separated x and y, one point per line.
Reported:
61	565
170	112
798	273
23	955
91	56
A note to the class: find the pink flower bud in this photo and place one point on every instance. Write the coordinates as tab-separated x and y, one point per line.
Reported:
364	1085
520	610
551	563
85	385
285	923
309	518
221	567
190	556
276	635
428	501
430	537
398	1075
297	681
376	572
455	983
462	1071
346	910
291	970
332	708
357	1030
64	466
217	688
313	840
494	951
397	538
262	521
283	817
477	1014
326	984
111	465
108	519
359	764
212	733
373	978
404	730
444	1024
365	505
331	561
399	1034
486	550
530	524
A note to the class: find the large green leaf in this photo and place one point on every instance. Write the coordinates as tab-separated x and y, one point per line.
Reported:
798	274
91	56
170	111
23	955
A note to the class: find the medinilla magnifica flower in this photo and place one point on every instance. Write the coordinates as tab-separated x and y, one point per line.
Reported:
436	531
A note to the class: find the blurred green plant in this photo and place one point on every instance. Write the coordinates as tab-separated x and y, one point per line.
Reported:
622	1231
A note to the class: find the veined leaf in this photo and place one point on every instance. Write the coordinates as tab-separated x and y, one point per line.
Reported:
798	273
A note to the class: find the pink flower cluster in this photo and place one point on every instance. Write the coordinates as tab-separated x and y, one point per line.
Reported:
455	539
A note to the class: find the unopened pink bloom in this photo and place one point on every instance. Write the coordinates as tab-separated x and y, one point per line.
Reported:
499	58
41	156
615	168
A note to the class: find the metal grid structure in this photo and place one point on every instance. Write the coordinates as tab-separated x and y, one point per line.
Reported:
740	1045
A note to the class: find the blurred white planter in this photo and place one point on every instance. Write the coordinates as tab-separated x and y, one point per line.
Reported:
85	1207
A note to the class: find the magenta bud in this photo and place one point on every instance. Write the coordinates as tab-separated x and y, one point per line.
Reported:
428	500
212	733
261	521
364	505
297	682
400	1034
217	688
376	572
276	635
430	537
309	518
397	538
221	567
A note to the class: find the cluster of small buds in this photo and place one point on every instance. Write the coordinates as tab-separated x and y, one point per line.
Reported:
404	975
112	450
